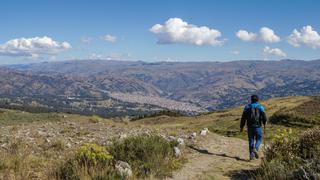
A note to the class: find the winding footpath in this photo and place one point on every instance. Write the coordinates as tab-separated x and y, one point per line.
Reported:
216	157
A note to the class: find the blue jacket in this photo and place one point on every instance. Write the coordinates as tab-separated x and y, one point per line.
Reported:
260	107
246	116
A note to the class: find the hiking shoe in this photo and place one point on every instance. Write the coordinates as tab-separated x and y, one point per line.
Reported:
256	155
251	158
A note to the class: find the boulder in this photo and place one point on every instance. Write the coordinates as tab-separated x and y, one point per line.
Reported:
123	168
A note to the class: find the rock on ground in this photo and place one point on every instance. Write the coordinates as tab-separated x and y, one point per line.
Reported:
123	168
177	152
204	131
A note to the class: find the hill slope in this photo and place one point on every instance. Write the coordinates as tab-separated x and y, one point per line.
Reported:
52	137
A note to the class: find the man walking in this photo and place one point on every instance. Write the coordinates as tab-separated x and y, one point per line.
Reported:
254	116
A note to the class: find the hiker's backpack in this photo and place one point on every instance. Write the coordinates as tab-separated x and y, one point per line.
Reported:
254	116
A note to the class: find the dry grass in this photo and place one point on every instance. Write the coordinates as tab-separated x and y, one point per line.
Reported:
19	162
25	161
225	122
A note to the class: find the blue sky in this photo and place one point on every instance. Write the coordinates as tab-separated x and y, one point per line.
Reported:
53	30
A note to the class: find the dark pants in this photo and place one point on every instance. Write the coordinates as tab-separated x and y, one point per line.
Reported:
255	139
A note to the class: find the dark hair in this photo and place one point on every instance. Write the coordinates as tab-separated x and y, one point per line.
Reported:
254	98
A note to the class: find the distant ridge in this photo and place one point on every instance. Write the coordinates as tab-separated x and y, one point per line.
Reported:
199	85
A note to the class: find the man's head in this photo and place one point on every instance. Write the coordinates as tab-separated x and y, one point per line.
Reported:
254	98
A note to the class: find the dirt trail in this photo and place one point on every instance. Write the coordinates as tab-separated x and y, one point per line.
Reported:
216	157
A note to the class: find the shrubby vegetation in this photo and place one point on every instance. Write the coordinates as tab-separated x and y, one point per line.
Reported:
147	155
11	117
292	157
17	162
292	120
304	115
159	113
90	162
84	105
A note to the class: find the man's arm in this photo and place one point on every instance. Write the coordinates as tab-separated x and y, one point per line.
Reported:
264	117
243	119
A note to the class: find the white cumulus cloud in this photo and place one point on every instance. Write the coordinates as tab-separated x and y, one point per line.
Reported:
32	47
109	38
274	52
175	30
246	36
306	36
265	35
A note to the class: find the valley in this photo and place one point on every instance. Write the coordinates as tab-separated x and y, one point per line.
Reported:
159	90
124	88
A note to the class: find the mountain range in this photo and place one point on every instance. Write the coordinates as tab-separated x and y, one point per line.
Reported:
132	87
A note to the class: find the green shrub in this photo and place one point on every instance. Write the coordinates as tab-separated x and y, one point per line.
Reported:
284	147
157	114
310	144
92	154
147	155
292	157
292	120
90	162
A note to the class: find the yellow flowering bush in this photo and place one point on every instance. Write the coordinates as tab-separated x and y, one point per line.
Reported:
284	146
305	146
90	162
148	155
91	154
282	136
289	154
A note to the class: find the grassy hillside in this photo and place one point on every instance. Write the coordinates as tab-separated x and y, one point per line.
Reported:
42	145
227	122
16	117
298	113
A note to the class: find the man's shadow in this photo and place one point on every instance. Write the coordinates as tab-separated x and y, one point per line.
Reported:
204	151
